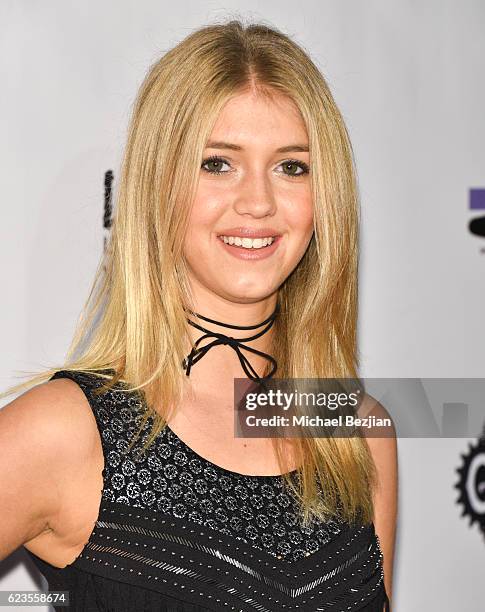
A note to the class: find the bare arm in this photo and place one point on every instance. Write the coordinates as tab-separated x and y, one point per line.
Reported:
384	453
37	431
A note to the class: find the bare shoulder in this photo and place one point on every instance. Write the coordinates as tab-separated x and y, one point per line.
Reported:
382	443
380	435
47	434
370	405
47	419
379	417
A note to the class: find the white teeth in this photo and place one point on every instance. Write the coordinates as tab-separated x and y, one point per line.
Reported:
248	243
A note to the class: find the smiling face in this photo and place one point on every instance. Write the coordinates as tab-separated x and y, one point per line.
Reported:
254	178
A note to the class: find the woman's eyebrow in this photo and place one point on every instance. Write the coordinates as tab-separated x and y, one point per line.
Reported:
219	144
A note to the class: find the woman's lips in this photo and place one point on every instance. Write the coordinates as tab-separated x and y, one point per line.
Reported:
251	254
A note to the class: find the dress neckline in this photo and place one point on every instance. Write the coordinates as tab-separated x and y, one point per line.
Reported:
222	469
215	466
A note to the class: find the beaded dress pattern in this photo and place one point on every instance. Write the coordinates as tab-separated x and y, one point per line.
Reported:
177	533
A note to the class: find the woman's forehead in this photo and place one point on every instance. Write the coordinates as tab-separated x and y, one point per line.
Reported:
249	117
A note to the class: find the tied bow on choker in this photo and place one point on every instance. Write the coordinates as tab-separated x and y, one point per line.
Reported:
236	343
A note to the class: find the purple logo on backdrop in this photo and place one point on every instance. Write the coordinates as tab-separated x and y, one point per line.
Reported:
477	202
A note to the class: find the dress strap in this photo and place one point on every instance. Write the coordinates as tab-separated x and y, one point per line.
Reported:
100	404
87	382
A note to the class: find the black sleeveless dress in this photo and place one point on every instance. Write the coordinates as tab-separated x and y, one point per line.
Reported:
177	533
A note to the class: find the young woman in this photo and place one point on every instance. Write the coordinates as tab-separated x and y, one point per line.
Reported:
233	254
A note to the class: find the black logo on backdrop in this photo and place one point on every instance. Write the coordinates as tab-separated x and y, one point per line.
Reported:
477	226
477	202
471	483
108	206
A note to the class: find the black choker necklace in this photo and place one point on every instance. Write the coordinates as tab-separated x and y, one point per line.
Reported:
235	343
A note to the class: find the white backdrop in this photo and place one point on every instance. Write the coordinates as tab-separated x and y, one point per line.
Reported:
408	77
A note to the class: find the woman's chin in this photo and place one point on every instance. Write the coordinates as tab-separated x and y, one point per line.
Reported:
249	295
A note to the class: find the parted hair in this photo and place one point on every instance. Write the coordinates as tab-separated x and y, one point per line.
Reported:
133	321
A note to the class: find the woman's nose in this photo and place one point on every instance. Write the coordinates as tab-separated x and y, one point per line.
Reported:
255	195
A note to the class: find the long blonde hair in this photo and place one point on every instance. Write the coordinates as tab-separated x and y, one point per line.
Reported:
134	321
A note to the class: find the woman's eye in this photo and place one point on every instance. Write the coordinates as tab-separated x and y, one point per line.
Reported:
214	165
293	165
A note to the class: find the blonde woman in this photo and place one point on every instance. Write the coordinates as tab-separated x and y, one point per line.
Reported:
233	254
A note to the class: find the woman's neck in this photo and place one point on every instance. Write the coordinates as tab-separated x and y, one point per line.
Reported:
222	360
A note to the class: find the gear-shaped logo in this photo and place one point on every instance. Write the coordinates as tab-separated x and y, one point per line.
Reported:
471	483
